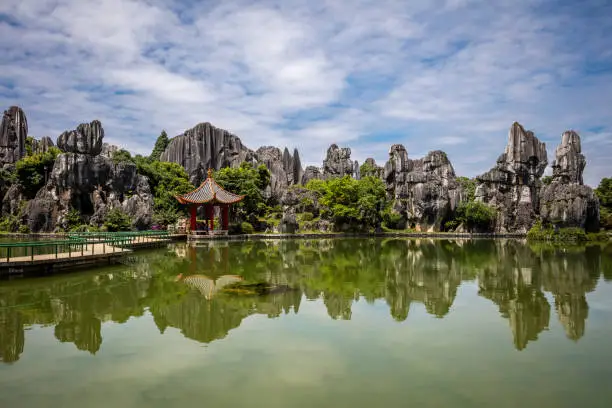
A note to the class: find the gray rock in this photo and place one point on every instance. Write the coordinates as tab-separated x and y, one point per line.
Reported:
566	202
11	203
85	139
205	146
108	150
288	224
43	145
13	133
285	169
311	173
425	191
91	184
569	162
513	185
338	162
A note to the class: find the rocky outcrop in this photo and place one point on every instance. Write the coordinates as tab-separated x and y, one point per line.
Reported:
285	169
42	146
424	191
311	173
85	139
566	202
90	183
513	185
13	134
206	147
338	162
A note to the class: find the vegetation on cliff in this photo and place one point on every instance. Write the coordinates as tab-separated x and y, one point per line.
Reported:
604	193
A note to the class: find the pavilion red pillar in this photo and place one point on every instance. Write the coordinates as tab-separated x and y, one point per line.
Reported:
192	224
211	216
225	217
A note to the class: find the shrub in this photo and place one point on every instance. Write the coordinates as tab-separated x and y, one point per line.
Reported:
31	170
393	220
307	216
122	156
9	223
469	186
451	225
73	219
247	228
23	229
117	220
476	215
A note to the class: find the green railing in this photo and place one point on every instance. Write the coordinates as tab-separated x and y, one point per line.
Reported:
80	243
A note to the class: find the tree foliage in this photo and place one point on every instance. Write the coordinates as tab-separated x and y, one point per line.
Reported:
160	145
366	169
245	180
475	215
117	220
346	201
546	180
166	180
31	170
468	186
122	156
604	193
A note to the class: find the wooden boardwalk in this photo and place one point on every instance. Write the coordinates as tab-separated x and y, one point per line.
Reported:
85	255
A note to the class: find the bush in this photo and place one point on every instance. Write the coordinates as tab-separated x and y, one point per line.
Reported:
122	156
546	233
31	170
451	225
601	236
117	220
73	219
247	228
23	229
393	220
469	186
475	215
307	216
10	223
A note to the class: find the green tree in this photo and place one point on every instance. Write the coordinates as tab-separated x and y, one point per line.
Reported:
167	180
468	186
31	170
546	180
604	193
122	156
346	201
248	181
117	220
476	215
366	169
160	145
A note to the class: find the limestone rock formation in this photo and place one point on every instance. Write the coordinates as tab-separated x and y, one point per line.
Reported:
424	191
513	185
85	139
13	134
338	162
566	202
205	146
90	183
311	173
42	145
285	169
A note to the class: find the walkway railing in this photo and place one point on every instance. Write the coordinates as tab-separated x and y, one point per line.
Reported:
79	244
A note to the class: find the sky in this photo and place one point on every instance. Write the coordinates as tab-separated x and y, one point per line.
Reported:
451	75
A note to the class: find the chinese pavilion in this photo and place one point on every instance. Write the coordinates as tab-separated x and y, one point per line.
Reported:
210	195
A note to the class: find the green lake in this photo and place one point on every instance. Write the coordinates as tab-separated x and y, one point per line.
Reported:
316	323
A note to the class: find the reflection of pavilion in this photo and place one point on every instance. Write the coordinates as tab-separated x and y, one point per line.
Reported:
207	286
212	196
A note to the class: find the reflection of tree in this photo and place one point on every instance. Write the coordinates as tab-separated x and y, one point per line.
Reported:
11	336
84	333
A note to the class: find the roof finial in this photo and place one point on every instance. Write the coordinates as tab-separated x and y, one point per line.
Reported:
210	172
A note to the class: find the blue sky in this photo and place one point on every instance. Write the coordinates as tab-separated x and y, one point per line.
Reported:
436	74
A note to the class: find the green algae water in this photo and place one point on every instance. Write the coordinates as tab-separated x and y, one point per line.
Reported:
316	323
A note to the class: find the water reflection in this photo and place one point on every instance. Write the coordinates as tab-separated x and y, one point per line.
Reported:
185	287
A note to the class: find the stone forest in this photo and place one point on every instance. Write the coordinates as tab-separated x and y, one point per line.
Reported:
81	183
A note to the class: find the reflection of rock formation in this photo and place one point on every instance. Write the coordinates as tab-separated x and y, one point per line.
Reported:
519	299
84	333
11	336
569	275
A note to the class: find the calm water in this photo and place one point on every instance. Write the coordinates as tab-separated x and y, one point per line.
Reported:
350	323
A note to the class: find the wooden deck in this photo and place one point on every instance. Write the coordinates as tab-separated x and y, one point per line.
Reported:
87	255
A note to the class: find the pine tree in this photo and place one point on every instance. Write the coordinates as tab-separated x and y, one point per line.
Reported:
160	146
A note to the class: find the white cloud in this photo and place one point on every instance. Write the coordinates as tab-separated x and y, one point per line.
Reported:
449	75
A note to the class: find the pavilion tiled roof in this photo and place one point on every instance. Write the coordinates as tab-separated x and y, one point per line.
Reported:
209	191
